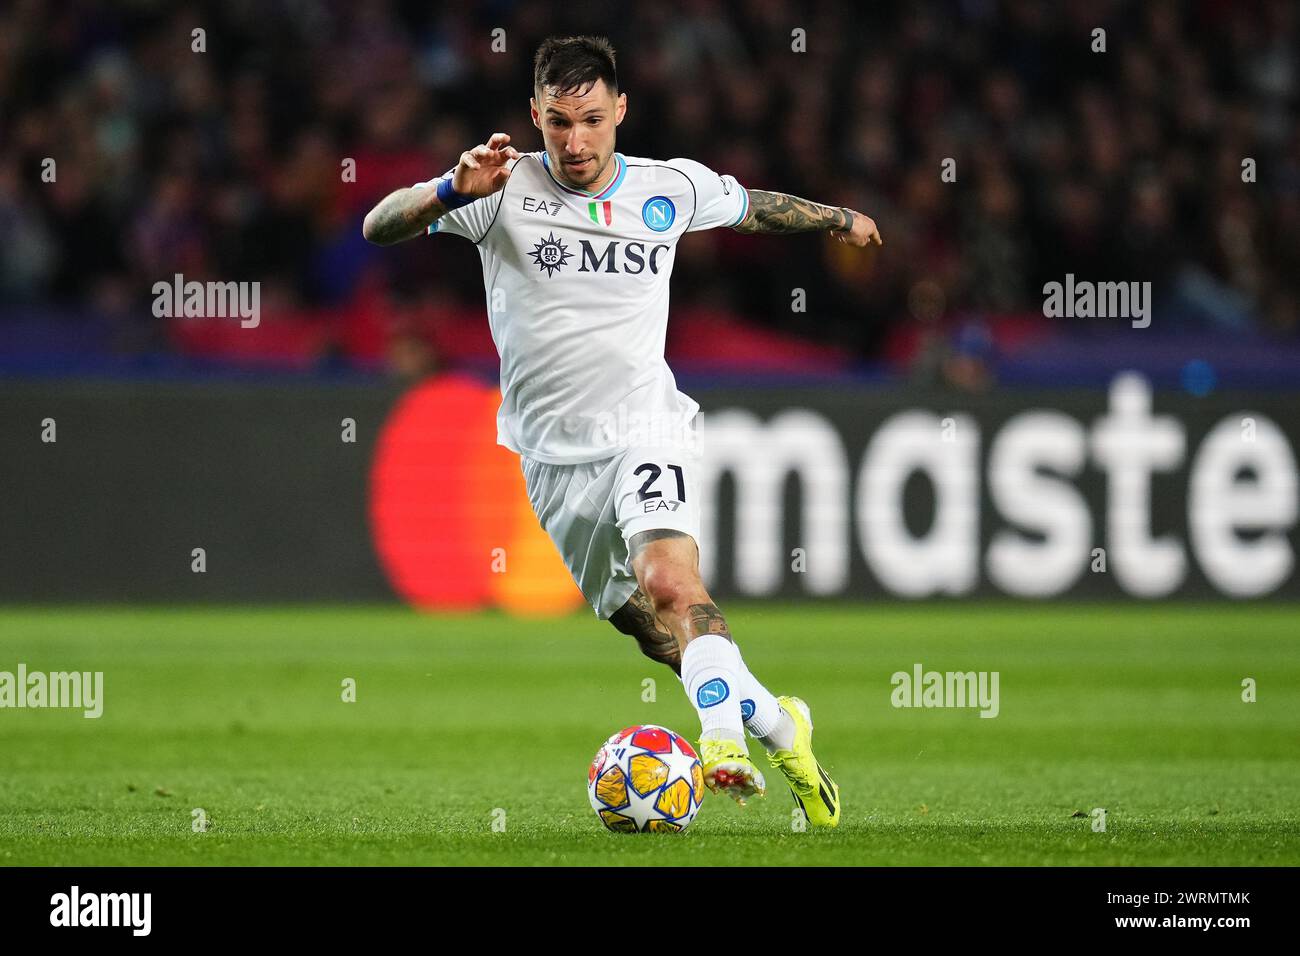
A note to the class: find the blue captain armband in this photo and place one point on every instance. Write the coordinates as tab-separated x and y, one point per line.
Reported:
449	197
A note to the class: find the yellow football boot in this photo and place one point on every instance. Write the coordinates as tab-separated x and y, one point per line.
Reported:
815	792
728	769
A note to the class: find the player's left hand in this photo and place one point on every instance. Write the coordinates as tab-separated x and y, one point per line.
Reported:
862	233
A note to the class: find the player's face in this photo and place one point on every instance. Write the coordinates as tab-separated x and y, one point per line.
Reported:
578	131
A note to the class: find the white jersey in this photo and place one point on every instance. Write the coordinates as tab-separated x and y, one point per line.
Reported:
577	299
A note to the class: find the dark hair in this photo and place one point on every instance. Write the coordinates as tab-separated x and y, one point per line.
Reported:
570	64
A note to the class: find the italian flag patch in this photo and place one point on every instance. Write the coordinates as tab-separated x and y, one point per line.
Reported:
601	212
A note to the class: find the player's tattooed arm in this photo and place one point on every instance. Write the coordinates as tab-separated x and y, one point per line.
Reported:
782	214
401	215
407	213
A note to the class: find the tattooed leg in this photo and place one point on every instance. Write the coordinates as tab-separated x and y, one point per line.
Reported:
667	565
707	619
637	619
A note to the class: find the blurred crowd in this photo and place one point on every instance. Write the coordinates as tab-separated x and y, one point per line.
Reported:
231	163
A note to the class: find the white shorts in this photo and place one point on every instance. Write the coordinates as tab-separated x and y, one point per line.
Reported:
591	511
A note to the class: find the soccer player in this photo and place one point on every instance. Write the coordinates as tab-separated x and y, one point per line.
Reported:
577	243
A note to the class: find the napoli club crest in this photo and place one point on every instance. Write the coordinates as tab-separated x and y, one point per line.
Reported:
659	213
712	692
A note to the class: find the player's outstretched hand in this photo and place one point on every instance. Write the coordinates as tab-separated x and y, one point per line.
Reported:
862	233
482	170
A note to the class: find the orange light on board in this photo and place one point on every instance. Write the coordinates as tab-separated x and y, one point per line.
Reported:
448	508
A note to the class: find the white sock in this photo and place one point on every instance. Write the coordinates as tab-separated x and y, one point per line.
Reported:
710	675
764	718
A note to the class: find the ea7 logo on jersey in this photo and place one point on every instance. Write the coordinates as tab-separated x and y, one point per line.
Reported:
663	504
550	254
543	206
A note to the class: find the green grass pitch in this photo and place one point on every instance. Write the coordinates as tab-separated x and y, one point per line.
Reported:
1136	709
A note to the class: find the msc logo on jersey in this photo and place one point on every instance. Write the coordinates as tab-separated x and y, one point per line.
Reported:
659	213
713	692
632	258
550	254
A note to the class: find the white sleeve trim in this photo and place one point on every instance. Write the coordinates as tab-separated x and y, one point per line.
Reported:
744	211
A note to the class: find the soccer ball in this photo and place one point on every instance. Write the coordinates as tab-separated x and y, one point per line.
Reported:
646	779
